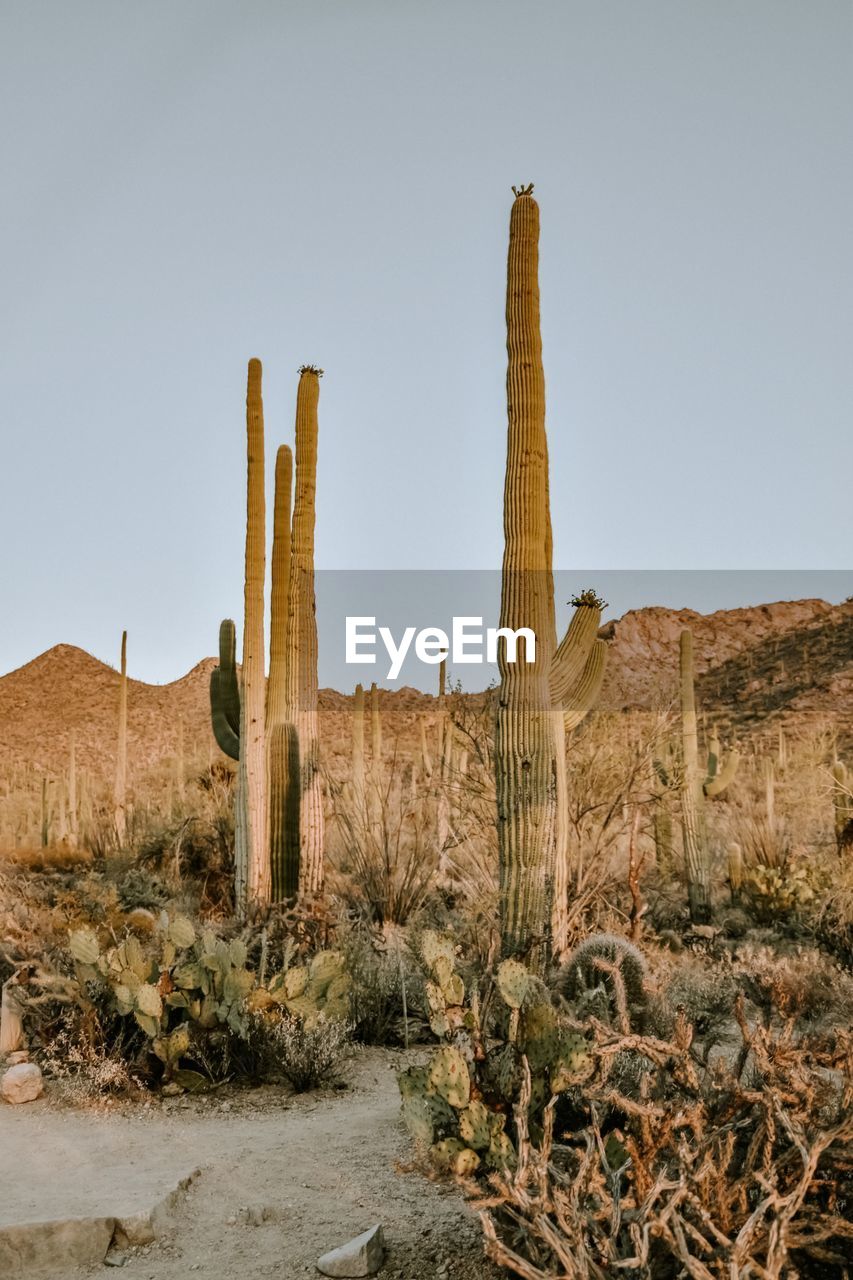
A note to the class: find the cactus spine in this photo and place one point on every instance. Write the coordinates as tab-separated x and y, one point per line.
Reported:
528	742
694	789
120	786
302	634
253	764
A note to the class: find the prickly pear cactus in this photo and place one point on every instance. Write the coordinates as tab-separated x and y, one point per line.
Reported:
321	986
176	979
459	1108
445	990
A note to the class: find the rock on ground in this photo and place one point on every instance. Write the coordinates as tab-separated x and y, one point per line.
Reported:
362	1256
22	1083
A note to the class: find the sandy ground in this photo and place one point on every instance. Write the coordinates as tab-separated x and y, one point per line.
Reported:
282	1180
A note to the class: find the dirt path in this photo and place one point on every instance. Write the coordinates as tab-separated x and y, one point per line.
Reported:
281	1181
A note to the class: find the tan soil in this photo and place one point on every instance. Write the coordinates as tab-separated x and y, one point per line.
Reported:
312	1171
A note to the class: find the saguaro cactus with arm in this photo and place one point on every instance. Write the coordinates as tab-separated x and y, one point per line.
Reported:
528	735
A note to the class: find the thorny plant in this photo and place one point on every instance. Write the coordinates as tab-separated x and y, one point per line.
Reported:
716	1172
386	857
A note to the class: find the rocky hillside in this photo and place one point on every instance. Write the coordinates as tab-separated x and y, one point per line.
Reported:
791	661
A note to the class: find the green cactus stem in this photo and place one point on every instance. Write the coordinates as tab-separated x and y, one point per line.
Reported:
842	796
302	635
695	788
225	693
253	762
120	785
535	697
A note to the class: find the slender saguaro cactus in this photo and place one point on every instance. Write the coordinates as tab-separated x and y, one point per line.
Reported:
253	764
302	634
375	734
842	797
282	742
530	724
120	787
694	789
358	746
73	815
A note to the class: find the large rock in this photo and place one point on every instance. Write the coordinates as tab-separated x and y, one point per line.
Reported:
22	1083
362	1256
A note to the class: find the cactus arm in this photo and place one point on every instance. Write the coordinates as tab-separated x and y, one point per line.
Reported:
229	687
716	783
226	739
568	663
582	698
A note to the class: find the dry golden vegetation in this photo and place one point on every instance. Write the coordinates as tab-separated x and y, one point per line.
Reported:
606	908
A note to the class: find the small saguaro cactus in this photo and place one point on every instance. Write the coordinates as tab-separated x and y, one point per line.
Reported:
120	786
735	870
535	697
358	745
842	796
694	789
663	783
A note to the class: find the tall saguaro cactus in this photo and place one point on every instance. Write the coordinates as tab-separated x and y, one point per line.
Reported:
302	634
120	786
272	731
253	763
282	742
694	788
528	737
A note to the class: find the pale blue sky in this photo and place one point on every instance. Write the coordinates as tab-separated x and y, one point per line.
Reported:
187	185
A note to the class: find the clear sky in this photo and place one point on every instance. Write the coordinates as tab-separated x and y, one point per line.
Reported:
187	185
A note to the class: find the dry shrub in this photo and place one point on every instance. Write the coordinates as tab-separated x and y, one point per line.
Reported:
712	1172
309	1053
386	986
84	1071
804	986
58	857
385	851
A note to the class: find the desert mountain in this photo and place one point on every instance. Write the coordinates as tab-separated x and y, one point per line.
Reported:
788	661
